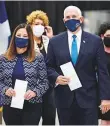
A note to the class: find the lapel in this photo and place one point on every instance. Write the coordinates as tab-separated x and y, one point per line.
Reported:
27	68
65	47
82	46
12	63
45	40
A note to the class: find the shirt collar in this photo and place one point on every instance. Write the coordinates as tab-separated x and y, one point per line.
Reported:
78	34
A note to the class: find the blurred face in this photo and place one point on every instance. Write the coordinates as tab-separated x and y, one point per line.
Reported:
106	39
73	19
38	22
107	33
21	33
72	13
38	28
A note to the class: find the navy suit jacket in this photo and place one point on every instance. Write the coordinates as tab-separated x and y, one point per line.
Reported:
91	56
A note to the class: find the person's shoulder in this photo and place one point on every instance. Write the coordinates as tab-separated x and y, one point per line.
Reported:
92	36
3	58
93	39
39	56
59	36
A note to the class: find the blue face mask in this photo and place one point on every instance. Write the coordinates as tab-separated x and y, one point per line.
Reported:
72	24
21	42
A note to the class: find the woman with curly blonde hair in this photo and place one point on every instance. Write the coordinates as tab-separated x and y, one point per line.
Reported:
40	25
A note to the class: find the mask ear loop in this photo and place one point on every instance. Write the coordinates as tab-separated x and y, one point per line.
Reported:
45	31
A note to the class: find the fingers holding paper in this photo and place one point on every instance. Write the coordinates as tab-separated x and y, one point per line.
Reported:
10	92
105	106
62	80
29	94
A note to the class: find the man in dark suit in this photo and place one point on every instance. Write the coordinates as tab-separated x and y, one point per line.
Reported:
86	53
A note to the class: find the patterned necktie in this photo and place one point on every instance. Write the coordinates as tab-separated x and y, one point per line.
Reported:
74	51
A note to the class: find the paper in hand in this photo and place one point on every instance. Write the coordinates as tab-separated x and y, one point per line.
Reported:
69	71
20	89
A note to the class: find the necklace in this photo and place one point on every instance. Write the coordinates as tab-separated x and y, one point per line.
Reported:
41	46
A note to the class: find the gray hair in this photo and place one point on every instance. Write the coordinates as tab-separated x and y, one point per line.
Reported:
73	7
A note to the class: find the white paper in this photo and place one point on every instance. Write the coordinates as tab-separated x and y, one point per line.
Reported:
69	71
20	89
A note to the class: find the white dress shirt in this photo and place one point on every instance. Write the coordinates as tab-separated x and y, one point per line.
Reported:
78	38
70	40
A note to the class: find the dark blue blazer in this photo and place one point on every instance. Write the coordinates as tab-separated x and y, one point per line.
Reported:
91	56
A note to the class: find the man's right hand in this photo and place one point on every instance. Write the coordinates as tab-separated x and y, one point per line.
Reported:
10	92
62	80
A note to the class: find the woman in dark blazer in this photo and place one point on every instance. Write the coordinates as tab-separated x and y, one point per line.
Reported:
21	62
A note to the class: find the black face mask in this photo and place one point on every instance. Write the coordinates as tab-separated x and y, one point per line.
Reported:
107	41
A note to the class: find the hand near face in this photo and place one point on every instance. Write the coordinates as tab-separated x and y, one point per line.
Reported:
29	94
49	31
10	92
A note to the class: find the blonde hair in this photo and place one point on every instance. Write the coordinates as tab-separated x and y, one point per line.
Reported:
38	14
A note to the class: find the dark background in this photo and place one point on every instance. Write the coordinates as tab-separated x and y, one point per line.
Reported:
18	10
